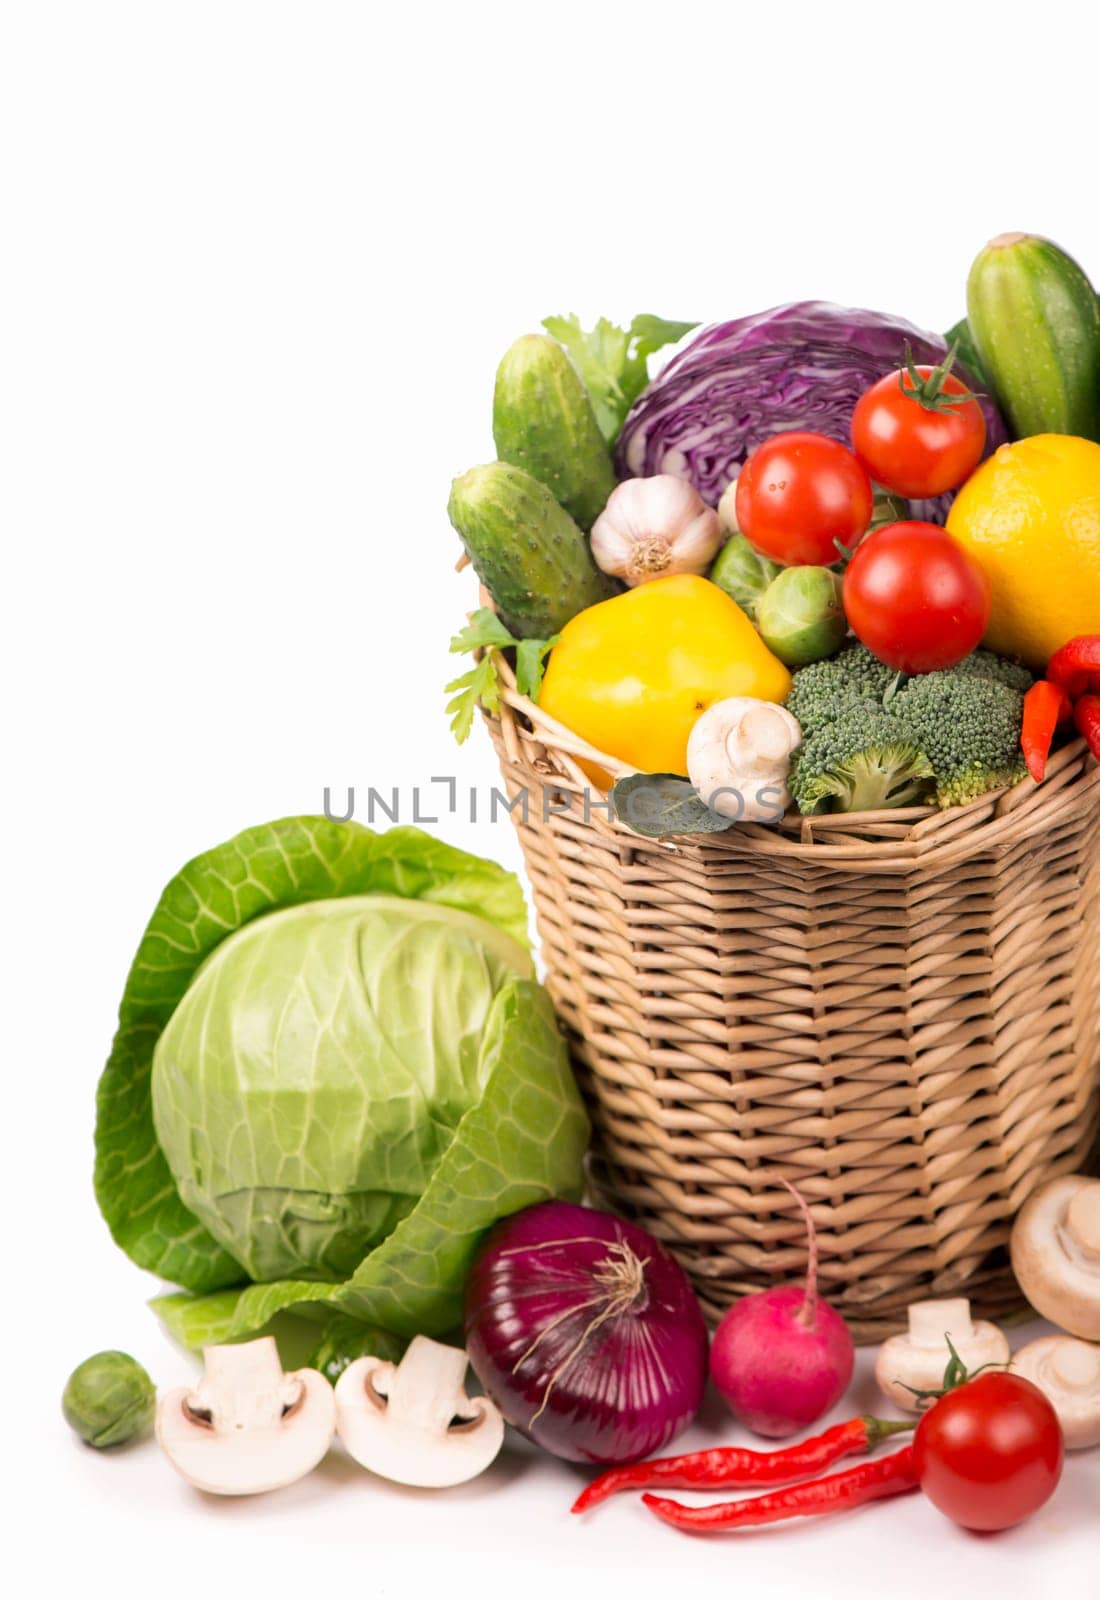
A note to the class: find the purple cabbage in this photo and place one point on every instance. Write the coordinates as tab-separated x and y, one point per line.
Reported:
797	366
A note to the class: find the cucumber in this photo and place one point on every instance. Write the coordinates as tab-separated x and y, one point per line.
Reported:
526	549
543	421
1035	319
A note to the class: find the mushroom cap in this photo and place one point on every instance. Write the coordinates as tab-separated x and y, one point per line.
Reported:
414	1423
247	1427
738	757
918	1359
1055	1251
1068	1372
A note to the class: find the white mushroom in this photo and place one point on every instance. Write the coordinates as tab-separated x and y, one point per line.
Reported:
919	1359
247	1426
414	1422
1068	1372
653	528
1056	1254
739	755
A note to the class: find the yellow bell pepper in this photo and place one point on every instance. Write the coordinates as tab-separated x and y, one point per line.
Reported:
633	674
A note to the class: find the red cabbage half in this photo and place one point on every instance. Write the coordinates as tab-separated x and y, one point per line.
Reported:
736	383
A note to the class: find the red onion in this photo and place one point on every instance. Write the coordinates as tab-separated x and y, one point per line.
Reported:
586	1333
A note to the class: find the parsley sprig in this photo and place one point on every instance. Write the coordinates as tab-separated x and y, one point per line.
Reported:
481	686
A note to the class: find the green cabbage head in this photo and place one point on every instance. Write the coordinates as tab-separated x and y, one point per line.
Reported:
334	1070
316	1070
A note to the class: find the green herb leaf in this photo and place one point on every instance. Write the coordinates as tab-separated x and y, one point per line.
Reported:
484	631
653	333
480	686
602	360
531	657
612	361
658	803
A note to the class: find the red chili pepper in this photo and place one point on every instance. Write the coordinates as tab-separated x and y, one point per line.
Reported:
871	1480
1076	666
729	1468
1086	715
1045	706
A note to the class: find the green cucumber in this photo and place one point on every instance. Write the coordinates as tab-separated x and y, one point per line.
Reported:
1035	319
543	421
526	549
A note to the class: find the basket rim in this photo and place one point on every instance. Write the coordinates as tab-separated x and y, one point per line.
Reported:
551	757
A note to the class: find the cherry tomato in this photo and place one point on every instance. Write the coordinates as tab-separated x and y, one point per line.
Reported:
797	494
989	1453
915	598
914	449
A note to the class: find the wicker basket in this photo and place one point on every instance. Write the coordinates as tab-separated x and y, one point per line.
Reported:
899	1013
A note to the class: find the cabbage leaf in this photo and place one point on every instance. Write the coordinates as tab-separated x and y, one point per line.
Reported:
522	1142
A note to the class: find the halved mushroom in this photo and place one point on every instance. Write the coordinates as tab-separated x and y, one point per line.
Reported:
918	1359
247	1426
1068	1372
1056	1254
414	1422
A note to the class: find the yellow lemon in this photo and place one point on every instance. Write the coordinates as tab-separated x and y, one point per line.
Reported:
1030	516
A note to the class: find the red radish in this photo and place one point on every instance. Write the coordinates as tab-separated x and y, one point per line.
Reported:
782	1358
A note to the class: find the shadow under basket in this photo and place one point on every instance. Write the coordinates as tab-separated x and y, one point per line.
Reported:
897	1012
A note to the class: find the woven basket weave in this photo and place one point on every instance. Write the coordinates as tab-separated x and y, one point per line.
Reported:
899	1013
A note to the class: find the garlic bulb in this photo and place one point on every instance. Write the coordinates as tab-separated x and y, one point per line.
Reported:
727	509
653	528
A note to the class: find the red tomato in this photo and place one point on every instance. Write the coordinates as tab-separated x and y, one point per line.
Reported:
797	494
913	449
915	598
989	1453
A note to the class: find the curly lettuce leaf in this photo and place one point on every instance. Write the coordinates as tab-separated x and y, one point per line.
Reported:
524	1141
278	864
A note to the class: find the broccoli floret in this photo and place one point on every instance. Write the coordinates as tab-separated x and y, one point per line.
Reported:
872	739
984	664
968	725
861	760
828	689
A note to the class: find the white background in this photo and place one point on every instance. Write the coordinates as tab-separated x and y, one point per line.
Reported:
259	263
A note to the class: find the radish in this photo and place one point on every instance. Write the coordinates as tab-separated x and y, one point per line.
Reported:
783	1357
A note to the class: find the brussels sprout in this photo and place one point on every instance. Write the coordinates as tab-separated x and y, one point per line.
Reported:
742	573
800	616
108	1399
